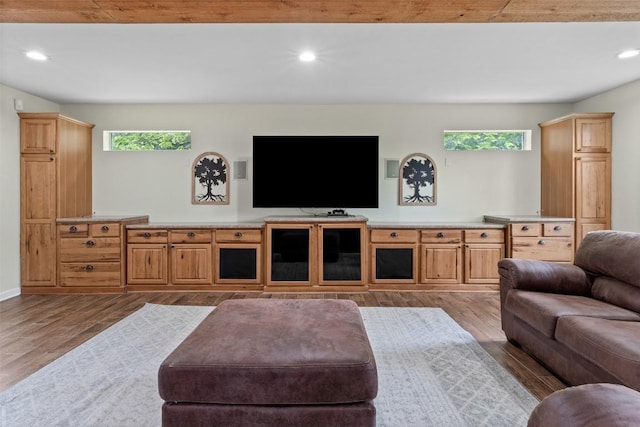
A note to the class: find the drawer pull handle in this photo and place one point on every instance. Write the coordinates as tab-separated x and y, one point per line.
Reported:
393	234
51	159
73	229
105	228
525	228
146	235
89	267
484	235
90	243
557	228
237	234
440	234
541	242
191	234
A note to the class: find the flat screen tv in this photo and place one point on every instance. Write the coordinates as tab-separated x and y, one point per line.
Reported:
335	172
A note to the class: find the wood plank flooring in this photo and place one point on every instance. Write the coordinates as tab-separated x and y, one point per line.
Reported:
37	329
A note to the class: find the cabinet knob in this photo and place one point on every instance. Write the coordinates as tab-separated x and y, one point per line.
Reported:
51	159
393	234
557	228
191	234
146	235
90	243
440	234
484	234
89	267
542	242
525	228
73	229
105	228
237	234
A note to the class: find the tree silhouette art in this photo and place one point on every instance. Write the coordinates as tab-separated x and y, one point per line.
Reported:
211	171
417	174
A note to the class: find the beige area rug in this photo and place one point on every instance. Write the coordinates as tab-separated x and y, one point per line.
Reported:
431	373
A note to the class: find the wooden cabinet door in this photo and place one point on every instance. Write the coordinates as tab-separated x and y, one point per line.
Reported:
38	187
441	263
38	254
481	263
147	264
38	136
593	193
593	135
191	264
38	215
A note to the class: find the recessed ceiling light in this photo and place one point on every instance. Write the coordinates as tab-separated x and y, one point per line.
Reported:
629	53
307	56
38	56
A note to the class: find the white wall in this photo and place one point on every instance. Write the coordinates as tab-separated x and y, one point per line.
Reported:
469	184
625	172
10	184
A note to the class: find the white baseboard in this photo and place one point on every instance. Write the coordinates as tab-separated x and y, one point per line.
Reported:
9	294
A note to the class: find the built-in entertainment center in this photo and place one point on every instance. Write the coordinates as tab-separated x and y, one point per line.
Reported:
66	249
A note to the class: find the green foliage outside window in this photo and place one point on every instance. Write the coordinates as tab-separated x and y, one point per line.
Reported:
486	140
149	141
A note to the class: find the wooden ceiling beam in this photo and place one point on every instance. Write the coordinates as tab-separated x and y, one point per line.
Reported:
316	11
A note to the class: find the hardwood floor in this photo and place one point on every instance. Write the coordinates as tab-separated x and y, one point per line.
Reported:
37	329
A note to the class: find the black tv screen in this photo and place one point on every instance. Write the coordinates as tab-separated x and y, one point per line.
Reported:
315	172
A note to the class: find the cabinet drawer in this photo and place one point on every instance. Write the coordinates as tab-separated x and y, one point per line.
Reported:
394	236
546	249
563	229
73	230
234	235
190	236
441	236
105	230
532	229
90	274
484	236
147	236
90	249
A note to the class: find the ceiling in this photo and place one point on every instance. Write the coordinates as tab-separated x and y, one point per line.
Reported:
108	52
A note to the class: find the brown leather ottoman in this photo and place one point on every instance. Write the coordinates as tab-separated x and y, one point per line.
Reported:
264	362
589	405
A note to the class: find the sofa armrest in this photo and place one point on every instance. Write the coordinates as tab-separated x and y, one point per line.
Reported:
542	276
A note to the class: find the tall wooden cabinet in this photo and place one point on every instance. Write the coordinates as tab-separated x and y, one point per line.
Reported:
55	181
576	170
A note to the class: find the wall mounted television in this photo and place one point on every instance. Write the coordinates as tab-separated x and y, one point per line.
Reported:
313	171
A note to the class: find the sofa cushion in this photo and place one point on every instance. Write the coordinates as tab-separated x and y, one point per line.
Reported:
617	293
541	310
588	405
611	253
613	345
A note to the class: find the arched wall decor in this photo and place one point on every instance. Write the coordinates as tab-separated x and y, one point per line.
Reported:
417	183
210	180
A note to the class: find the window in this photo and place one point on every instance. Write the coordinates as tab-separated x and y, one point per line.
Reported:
146	140
470	140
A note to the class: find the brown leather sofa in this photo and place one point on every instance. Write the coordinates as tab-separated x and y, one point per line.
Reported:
580	320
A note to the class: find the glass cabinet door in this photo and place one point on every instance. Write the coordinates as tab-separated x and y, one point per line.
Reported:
394	263
238	263
289	254
341	253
